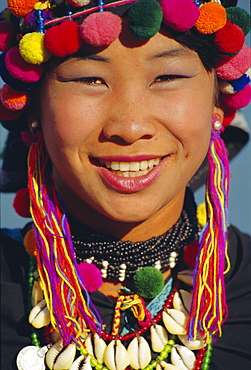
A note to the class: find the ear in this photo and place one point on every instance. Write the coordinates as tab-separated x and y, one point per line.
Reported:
218	113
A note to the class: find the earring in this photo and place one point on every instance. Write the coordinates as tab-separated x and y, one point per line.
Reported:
34	124
217	125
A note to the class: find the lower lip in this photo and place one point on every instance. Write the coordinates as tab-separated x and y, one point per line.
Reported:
130	184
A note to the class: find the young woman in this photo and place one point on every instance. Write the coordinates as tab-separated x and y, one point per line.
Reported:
123	104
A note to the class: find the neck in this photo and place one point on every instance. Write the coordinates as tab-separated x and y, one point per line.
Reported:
155	225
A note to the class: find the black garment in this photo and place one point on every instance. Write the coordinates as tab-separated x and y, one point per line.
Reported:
231	352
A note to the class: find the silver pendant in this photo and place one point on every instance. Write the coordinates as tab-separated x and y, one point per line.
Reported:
31	358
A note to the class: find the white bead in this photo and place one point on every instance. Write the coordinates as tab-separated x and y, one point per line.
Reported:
174	254
217	125
172	265
172	259
88	260
105	264
123	266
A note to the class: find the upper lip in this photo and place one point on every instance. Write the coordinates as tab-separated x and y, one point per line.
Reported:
126	158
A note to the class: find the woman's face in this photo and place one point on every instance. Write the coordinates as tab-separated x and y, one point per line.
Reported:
127	127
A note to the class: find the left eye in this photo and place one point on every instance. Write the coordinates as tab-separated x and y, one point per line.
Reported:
165	78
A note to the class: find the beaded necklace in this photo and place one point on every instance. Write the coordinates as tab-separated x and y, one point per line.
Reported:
202	361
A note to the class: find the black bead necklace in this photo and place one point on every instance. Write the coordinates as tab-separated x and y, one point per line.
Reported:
120	260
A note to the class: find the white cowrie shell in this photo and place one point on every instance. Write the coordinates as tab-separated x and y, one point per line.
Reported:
159	337
174	321
192	344
39	315
99	348
139	353
37	293
186	276
182	357
116	356
182	301
88	344
60	357
81	363
162	365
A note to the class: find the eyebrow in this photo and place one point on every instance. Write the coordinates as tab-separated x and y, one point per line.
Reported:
172	53
94	57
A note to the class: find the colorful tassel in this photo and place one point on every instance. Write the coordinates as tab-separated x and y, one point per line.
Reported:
209	309
65	294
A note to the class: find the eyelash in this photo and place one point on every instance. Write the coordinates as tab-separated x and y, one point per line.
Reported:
90	80
164	78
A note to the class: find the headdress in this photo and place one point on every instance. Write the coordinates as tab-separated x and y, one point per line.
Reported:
30	33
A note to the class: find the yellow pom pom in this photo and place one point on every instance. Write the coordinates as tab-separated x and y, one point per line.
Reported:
42	6
30	243
213	17
202	214
32	48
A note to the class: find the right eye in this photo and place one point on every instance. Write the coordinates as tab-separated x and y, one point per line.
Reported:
90	80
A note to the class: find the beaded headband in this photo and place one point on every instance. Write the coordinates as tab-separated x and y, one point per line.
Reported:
33	31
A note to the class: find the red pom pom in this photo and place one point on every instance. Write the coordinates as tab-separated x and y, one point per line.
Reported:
101	28
64	39
229	115
230	38
8	115
90	275
79	2
238	100
7	36
12	99
21	203
235	67
190	253
20	69
181	16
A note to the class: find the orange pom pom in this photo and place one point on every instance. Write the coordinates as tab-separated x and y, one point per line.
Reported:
213	17
12	99
30	243
20	8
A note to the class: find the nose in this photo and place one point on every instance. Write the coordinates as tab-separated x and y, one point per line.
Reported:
129	121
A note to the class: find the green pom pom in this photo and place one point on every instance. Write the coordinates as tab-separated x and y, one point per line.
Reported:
148	282
145	17
240	17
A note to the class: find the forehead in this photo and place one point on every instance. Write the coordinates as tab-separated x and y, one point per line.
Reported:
161	46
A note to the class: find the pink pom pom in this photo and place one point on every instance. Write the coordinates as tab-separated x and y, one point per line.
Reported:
181	15
12	99
20	69
90	275
238	100
101	28
26	137
7	35
235	67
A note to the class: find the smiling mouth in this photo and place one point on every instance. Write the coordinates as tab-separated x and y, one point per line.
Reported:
130	169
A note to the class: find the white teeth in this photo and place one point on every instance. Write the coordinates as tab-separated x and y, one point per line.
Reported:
134	166
143	165
131	169
115	166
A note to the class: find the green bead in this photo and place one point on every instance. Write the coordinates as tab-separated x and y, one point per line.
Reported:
168	348
206	360
99	366
208	354
162	356
94	362
204	367
33	335
171	342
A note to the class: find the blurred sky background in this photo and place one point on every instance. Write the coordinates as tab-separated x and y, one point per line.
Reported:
240	191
